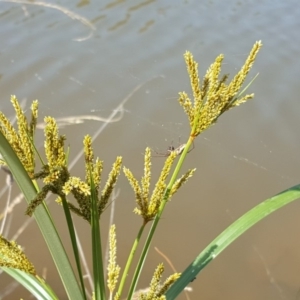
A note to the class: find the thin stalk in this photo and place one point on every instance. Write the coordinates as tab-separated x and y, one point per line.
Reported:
145	250
99	285
74	243
129	260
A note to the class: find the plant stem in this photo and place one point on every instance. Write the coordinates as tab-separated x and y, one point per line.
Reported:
129	261
74	242
99	285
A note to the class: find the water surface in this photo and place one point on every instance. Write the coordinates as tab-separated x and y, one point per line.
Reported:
86	57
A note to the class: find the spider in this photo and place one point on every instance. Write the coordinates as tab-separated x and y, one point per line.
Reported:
177	150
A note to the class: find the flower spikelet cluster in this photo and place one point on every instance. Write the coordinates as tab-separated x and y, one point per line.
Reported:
214	97
113	269
148	206
21	140
157	290
93	170
54	150
54	172
110	184
182	180
12	256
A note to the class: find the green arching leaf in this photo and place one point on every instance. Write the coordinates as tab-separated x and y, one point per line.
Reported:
36	286
43	220
230	234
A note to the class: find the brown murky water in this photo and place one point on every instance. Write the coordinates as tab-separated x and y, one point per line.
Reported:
87	64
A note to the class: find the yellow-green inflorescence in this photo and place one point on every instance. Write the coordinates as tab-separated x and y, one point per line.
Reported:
211	99
21	140
148	206
55	173
93	168
157	290
113	269
12	256
214	97
58	180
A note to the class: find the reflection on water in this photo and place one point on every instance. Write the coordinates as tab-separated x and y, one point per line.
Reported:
83	59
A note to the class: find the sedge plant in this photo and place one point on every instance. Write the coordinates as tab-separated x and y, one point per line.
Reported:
83	197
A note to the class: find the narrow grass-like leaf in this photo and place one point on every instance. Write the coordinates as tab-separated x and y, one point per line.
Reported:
43	220
74	243
96	246
38	288
129	262
230	234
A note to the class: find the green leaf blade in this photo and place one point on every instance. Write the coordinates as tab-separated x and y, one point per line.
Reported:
230	234
43	220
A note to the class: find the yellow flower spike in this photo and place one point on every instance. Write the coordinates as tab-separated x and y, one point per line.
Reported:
138	192
181	181
167	166
21	120
167	284
8	130
20	141
157	277
147	177
110	184
89	158
88	150
97	172
11	256
117	297
75	184
155	201
34	116
187	106
12	136
96	168
81	192
214	76
54	173
157	290
54	144
41	196
155	282
113	268
192	68
242	100
239	79
158	192
24	135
